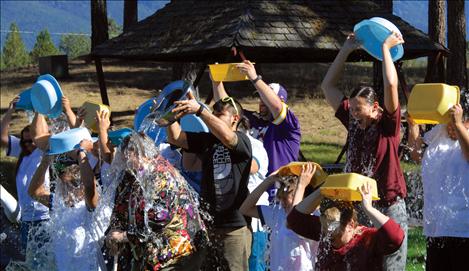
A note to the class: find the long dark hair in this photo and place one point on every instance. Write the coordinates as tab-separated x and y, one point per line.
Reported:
365	92
23	152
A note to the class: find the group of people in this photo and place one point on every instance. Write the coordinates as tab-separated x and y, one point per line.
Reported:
222	204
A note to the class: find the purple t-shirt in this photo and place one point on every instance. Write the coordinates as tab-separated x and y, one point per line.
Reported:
281	137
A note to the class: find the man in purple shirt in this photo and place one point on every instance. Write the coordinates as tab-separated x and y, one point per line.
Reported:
274	124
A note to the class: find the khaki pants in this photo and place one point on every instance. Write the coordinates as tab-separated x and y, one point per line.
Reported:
236	245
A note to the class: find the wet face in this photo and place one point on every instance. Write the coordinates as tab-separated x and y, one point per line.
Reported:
264	111
363	112
27	143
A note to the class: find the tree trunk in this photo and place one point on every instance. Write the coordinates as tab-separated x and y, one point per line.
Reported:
437	33
99	27
456	65
130	13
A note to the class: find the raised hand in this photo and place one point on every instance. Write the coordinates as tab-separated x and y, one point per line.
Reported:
12	105
393	40
186	107
307	172
351	44
66	104
102	120
365	192
247	68
456	113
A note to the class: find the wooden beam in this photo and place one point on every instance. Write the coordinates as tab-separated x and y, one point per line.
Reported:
101	81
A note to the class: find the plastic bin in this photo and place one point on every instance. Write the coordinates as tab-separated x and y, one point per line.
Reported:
294	168
344	187
90	117
429	103
226	72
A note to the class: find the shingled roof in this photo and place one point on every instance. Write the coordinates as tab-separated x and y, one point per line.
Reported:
266	31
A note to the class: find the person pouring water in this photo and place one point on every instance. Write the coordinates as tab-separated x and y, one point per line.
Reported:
373	134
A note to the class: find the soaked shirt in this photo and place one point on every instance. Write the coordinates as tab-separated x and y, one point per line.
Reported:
373	152
225	176
172	226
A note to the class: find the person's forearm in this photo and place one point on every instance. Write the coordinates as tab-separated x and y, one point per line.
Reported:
89	181
333	76
377	218
310	203
463	138
390	81
415	143
36	189
176	136
40	131
299	193
248	207
219	129
71	117
105	152
269	98
219	91
5	126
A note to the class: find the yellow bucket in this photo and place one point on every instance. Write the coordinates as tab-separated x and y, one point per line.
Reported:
294	168
429	103
226	72
90	117
344	187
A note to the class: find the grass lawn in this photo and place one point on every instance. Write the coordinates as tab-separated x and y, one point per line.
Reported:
416	250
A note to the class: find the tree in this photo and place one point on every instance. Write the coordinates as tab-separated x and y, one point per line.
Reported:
113	28
437	33
14	50
43	46
2	62
130	13
456	64
75	45
99	23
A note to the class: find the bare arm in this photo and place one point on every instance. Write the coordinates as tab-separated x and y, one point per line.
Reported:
268	97
219	91
71	118
310	203
415	141
5	126
390	79
40	131
462	133
103	123
307	173
248	208
378	218
329	84
176	136
37	189
89	181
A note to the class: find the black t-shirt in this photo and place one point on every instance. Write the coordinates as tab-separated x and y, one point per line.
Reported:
225	176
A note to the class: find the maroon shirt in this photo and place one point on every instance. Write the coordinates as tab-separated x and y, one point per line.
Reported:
373	152
365	251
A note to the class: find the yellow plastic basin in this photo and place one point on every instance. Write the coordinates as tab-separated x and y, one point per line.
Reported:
226	72
90	117
429	103
344	187
294	168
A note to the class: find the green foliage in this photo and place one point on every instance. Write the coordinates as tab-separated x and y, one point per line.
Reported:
2	62
113	28
14	52
75	45
43	46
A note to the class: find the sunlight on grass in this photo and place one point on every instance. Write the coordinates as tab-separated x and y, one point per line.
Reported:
416	250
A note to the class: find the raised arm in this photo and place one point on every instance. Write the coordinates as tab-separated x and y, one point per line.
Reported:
310	203
414	141
103	124
390	79
176	136
248	208
88	179
219	91
37	189
307	172
329	84
462	133
5	126
71	117
378	218
268	97
40	131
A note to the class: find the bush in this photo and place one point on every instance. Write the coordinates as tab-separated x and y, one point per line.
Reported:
43	46
75	45
14	52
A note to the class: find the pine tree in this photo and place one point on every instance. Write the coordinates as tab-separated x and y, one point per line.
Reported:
2	62
74	45
14	50
43	46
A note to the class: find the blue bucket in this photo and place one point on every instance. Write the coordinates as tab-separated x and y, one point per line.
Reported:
46	96
25	101
373	32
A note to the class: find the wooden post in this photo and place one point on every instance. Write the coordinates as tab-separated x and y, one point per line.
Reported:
130	13
101	81
437	33
99	27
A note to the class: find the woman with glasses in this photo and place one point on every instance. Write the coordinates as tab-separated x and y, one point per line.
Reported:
29	157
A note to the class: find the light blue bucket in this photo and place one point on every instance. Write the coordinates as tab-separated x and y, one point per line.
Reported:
46	96
25	101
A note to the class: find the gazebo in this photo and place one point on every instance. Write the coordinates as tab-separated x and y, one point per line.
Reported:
277	31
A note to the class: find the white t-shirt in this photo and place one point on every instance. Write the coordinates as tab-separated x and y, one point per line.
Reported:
445	175
31	210
93	161
288	250
260	155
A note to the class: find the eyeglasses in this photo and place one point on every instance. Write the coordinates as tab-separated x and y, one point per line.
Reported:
229	99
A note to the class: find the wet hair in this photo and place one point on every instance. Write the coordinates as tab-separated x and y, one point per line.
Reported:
287	185
346	210
72	170
365	92
26	129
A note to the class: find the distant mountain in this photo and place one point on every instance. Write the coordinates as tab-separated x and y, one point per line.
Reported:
61	16
73	16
